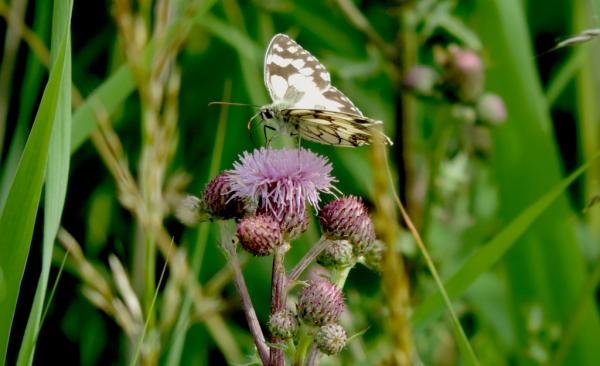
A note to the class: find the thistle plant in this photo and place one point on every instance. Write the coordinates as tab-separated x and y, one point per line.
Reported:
270	195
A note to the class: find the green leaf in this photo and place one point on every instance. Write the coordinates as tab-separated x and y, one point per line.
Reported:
18	216
483	259
57	174
32	85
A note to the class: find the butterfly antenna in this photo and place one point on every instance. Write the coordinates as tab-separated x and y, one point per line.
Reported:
249	126
234	104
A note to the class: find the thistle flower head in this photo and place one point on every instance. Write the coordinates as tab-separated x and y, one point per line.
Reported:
259	234
331	339
321	302
281	182
347	218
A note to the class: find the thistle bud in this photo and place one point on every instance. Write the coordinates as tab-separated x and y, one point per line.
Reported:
259	234
421	80
374	256
347	218
337	253
465	73
331	339
491	109
219	199
190	210
321	302
292	223
283	324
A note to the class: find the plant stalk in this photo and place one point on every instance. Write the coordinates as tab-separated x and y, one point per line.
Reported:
229	245
278	299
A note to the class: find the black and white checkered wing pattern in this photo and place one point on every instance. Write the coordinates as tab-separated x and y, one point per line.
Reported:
295	77
336	128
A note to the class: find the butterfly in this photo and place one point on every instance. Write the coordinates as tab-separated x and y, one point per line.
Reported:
305	104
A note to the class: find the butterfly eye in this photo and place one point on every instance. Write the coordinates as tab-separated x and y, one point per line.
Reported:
267	114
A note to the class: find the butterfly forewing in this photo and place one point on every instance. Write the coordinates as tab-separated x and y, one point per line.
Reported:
306	103
289	66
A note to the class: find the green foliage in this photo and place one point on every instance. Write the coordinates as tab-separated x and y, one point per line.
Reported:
500	208
19	211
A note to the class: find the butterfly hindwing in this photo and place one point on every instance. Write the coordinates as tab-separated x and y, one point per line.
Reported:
335	128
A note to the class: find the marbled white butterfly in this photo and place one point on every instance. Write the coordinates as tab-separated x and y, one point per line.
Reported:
305	104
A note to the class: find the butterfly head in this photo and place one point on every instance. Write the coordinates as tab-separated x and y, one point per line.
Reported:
267	113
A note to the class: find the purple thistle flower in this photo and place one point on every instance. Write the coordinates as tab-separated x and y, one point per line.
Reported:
281	181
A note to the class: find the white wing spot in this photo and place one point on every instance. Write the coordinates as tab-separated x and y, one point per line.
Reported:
278	60
298	64
324	75
279	86
292	49
307	71
277	48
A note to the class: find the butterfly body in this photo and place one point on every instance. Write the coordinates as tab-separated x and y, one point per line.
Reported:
305	104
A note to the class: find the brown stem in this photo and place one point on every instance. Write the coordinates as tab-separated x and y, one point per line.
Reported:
313	355
306	260
242	289
278	298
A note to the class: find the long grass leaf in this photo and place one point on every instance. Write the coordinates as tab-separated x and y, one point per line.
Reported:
547	266
18	216
57	173
32	86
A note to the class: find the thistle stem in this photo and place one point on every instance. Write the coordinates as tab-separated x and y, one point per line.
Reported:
313	355
278	299
304	342
229	245
306	260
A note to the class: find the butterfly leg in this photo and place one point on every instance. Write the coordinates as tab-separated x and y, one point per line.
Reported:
268	139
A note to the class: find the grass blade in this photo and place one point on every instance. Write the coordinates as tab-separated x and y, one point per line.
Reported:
57	173
32	85
18	216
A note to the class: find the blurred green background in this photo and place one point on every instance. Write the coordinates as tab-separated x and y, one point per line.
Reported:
513	235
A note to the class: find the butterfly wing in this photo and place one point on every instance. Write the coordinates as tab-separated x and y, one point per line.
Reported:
335	128
296	78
